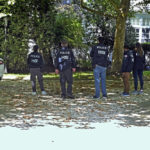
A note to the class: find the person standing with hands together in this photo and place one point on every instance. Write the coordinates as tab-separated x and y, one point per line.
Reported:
65	65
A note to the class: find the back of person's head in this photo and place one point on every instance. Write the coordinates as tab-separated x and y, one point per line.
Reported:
35	48
126	46
139	49
64	43
138	45
101	39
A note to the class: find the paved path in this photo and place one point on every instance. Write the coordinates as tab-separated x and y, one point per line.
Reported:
14	77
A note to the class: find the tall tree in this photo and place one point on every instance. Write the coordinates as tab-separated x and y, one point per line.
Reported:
28	19
119	10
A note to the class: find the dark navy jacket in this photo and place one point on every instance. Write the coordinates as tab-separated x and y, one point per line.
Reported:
99	55
35	60
139	61
65	59
128	61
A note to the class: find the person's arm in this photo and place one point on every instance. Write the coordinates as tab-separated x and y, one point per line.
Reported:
56	64
92	52
28	61
124	66
41	61
130	62
73	62
144	59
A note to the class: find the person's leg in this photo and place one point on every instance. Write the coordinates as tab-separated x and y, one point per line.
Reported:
135	76
40	79
103	81
63	84
68	74
125	77
140	75
33	79
97	81
127	84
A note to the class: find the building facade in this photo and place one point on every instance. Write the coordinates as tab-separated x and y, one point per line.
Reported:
141	22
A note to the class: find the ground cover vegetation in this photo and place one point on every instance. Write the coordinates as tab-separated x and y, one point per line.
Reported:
22	110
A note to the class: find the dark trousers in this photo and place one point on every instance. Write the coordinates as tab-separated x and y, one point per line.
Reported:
36	72
138	74
66	78
126	77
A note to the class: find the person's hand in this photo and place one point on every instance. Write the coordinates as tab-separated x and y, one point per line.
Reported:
74	69
56	71
93	66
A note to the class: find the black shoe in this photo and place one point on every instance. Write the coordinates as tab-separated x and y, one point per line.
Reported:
124	94
95	97
63	96
70	96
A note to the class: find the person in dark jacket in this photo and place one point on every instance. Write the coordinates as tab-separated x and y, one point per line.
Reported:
35	63
65	64
99	55
127	67
138	68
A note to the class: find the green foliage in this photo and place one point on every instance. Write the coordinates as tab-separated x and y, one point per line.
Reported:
47	23
40	21
99	26
28	20
113	9
130	36
147	74
68	25
104	26
85	64
104	6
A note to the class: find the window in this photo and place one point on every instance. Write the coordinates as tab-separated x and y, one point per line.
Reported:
143	22
146	34
138	21
137	33
133	21
146	22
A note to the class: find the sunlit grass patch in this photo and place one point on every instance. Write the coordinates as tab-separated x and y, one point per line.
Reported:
77	75
147	73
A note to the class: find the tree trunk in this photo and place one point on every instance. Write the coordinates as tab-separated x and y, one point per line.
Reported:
118	44
120	35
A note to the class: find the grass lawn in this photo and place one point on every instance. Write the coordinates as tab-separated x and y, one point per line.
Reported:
20	109
79	75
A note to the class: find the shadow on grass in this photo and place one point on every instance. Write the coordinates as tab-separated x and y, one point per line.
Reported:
18	108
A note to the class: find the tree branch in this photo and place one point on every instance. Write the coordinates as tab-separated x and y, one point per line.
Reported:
125	5
95	11
113	3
